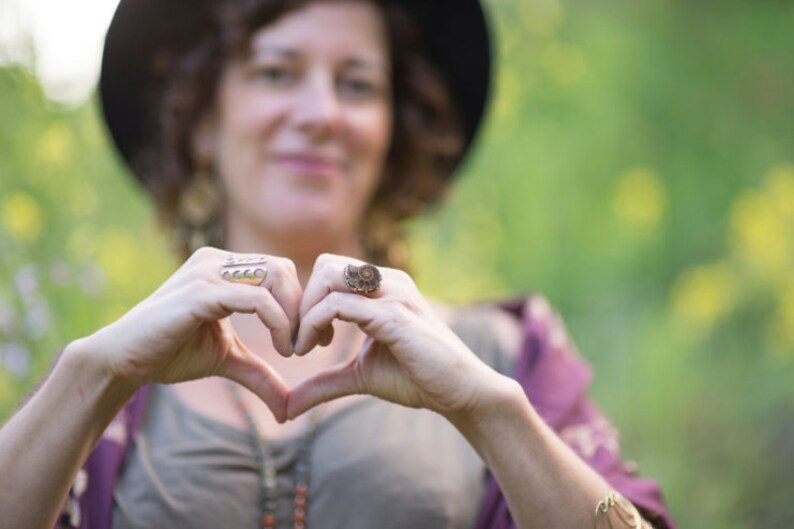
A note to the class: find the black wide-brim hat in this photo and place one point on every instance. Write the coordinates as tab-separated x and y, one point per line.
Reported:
454	34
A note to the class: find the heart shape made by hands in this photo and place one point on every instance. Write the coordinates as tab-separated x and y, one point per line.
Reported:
327	379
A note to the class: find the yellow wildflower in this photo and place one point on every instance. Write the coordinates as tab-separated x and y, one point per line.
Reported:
56	144
759	236
704	295
564	63
779	184
21	216
468	263
118	256
509	87
639	200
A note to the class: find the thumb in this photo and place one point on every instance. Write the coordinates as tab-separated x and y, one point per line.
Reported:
330	384
256	375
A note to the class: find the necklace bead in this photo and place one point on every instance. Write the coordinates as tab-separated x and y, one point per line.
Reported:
264	455
267	467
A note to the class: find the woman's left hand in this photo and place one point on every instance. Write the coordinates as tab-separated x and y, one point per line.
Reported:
410	357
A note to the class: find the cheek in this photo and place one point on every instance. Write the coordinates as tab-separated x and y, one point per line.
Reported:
382	132
250	118
247	124
373	135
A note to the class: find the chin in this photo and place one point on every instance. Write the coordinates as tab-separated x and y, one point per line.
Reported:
307	224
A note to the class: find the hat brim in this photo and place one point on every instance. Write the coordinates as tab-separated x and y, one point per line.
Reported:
454	32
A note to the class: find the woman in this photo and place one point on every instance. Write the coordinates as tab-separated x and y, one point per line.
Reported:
257	386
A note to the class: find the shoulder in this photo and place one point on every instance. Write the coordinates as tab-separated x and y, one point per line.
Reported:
517	337
490	331
509	322
543	322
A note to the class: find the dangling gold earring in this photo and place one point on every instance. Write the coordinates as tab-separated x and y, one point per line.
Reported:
383	240
199	211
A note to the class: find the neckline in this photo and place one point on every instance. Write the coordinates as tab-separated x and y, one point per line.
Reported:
323	422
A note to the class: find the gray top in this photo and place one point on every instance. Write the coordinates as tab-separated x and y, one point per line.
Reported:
373	464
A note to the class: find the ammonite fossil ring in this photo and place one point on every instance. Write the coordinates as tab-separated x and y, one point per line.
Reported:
363	279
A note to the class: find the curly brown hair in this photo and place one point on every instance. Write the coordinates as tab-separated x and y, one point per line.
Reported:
427	137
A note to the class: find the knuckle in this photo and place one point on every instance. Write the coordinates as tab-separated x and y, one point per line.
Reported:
331	304
204	253
200	261
329	272
260	303
334	298
317	326
330	300
403	279
289	265
399	310
401	275
267	308
201	283
322	260
280	320
275	270
281	267
204	298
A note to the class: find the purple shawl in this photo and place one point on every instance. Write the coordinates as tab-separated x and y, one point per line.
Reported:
549	369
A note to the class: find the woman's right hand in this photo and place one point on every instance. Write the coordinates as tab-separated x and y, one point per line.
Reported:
182	331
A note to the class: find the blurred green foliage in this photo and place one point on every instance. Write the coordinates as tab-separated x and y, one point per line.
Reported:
637	169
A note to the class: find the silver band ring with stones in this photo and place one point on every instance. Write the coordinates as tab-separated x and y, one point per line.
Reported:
246	270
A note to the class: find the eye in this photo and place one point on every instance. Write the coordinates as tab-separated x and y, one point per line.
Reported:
359	88
274	75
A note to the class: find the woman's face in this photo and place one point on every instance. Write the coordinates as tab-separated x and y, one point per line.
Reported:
303	125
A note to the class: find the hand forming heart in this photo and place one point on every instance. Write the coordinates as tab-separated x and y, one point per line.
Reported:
182	332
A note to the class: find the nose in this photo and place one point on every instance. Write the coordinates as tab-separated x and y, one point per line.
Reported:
318	111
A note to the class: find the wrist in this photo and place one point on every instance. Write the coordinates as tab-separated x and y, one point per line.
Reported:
499	402
88	364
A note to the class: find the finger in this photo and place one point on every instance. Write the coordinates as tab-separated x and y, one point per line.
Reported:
328	276
337	305
220	301
327	385
321	282
282	281
253	373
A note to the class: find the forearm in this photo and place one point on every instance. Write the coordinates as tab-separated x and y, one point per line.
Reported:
43	446
544	482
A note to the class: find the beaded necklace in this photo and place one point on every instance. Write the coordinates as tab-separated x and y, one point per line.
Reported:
267	466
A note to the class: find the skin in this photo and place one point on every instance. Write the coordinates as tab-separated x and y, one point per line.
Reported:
316	85
301	133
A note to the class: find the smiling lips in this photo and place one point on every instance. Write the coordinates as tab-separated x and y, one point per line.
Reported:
310	164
